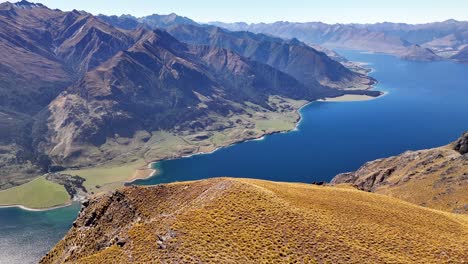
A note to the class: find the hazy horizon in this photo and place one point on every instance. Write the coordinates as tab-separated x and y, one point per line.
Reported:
262	11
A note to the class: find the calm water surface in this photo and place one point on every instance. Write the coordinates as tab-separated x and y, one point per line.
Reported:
426	106
26	236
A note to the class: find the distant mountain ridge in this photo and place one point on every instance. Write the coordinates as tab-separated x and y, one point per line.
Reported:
152	21
411	42
443	38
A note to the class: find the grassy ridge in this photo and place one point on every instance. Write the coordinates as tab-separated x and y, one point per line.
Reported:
253	221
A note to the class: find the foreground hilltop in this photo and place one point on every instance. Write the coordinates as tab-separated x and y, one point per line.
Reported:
436	178
228	220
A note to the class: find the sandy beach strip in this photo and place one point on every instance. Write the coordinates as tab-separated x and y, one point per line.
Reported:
350	98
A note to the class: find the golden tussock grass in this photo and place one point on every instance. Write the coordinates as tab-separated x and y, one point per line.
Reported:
252	221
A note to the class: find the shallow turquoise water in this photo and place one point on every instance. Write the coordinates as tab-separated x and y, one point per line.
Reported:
426	106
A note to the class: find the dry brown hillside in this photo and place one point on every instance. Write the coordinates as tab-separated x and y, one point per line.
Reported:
228	220
436	178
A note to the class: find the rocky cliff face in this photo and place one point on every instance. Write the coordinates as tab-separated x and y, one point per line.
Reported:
251	221
436	178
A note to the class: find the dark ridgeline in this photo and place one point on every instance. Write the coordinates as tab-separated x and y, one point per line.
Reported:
69	80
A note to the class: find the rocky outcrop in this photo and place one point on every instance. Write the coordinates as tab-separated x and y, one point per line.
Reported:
73	185
461	145
436	178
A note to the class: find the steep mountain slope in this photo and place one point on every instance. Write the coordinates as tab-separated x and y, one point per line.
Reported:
436	178
43	52
251	221
293	57
158	84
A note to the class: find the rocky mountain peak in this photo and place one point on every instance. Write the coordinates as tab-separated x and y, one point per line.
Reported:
28	5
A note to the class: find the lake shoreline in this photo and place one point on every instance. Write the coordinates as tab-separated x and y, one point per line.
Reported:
262	137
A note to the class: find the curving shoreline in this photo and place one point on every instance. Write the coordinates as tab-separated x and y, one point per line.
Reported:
262	137
22	207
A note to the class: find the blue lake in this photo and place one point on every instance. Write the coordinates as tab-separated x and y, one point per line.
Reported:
426	106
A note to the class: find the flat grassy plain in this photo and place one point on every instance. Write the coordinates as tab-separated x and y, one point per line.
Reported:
228	220
36	194
107	177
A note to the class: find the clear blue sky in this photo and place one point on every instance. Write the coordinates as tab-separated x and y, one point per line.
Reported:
331	11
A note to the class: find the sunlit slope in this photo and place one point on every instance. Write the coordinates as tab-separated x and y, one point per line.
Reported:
435	178
252	221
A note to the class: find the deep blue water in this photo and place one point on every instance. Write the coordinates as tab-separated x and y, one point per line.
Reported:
426	106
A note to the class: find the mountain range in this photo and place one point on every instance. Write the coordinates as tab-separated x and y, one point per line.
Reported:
431	41
79	90
421	42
